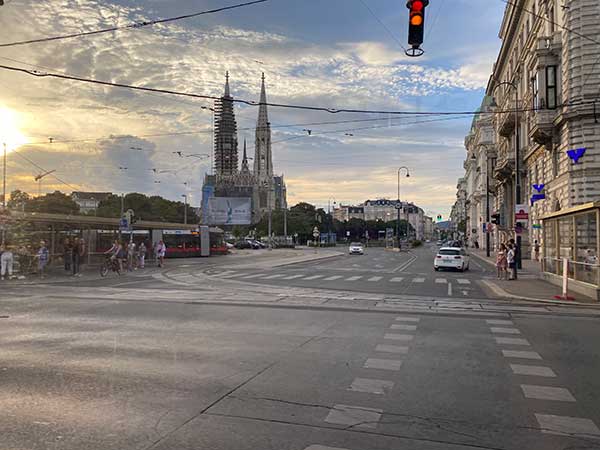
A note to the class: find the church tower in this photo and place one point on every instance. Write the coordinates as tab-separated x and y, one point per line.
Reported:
263	161
226	143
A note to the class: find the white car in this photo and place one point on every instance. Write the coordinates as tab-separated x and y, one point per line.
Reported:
451	258
356	248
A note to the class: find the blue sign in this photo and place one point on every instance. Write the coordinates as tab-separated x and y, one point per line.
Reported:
576	154
537	197
538	187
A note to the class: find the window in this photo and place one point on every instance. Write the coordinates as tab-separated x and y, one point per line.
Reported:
535	90
551	87
551	20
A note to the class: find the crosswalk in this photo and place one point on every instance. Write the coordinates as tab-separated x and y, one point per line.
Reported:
322	278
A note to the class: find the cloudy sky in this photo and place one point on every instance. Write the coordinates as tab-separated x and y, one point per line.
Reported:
332	53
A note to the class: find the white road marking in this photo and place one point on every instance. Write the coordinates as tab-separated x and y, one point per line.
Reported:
499	322
449	289
354	416
408	319
374	278
401	326
521	354
465	293
398	337
384	348
314	277
547	393
335	277
353	278
254	275
441	280
504	330
383	364
567	425
463	281
371	386
292	277
418	280
227	273
322	447
396	279
511	341
271	277
539	371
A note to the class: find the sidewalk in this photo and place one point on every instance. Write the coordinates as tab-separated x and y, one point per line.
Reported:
528	286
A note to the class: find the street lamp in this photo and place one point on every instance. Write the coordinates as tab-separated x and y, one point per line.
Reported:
487	197
329	220
185	208
267	184
399	204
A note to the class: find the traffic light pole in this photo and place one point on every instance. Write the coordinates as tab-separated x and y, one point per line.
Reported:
487	204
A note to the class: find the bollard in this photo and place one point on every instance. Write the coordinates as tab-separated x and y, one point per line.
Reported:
565	282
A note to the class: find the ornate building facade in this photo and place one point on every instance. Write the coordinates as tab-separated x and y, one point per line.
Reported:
266	190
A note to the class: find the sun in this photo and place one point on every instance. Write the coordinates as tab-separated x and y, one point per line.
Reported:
9	130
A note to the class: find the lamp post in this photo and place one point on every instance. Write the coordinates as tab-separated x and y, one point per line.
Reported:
517	163
185	197
4	177
329	218
399	204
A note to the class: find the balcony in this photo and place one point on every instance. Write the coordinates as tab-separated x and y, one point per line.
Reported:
541	126
505	166
505	121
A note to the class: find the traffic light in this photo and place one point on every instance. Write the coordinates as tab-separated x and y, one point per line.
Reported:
416	22
496	219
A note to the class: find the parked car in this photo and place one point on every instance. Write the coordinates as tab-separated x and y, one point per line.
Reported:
440	243
229	245
243	244
451	258
356	248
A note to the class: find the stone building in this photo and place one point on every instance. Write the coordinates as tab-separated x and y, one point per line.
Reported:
266	190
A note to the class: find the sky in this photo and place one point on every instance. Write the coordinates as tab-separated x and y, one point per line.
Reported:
334	53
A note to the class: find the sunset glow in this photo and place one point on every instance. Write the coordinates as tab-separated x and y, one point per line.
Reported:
9	130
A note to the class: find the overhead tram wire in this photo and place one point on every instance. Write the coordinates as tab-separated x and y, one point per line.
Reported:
33	163
255	103
131	26
383	25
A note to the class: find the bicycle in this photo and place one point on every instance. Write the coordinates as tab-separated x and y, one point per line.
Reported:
109	265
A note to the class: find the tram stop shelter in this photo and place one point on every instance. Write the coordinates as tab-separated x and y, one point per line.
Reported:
573	234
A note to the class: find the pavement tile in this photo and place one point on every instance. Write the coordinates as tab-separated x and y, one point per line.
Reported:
371	386
511	341
547	393
408	319
564	425
354	416
499	322
401	326
384	348
504	330
383	364
539	371
521	354
398	337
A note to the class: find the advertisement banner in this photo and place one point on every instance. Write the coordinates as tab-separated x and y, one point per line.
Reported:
522	212
229	211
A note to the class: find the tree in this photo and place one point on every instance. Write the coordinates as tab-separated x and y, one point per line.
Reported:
153	208
18	199
53	203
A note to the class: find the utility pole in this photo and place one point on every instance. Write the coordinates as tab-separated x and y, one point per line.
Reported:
4	178
270	215
399	204
285	223
184	209
122	212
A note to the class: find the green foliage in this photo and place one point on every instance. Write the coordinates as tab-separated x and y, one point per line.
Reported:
18	199
53	203
416	243
153	208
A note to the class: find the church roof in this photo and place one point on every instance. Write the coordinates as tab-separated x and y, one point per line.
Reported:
263	118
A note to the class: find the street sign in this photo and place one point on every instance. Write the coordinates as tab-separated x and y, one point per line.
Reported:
522	211
316	232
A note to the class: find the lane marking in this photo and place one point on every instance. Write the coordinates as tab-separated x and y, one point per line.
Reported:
499	322
354	416
386	348
547	393
511	341
538	371
292	277
441	280
521	354
322	447
404	266
353	278
504	330
449	289
271	277
382	364
314	277
254	275
374	278
401	326
463	281
570	426
371	386
408	319
398	337
396	279
418	280
335	277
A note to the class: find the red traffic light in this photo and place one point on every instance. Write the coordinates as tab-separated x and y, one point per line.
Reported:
416	6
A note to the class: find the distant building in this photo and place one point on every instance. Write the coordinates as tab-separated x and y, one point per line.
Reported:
89	201
265	189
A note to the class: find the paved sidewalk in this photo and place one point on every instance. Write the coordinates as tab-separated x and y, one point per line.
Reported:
528	286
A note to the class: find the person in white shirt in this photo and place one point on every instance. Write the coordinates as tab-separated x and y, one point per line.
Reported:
161	250
6	261
510	259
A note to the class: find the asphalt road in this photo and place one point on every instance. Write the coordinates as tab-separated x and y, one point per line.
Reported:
106	374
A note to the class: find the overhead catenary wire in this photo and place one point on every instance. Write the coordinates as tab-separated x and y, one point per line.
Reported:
330	110
33	163
131	26
385	27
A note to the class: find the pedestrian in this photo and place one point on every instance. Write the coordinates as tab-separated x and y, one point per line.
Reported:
161	250
78	254
43	257
501	262
517	251
142	254
512	263
67	253
536	250
476	244
121	256
130	256
7	261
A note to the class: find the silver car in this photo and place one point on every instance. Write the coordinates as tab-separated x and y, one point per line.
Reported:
356	248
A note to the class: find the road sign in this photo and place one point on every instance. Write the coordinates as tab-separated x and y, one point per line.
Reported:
316	232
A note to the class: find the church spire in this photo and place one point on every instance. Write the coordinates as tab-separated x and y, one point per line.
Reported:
263	167
226	93
263	118
245	168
